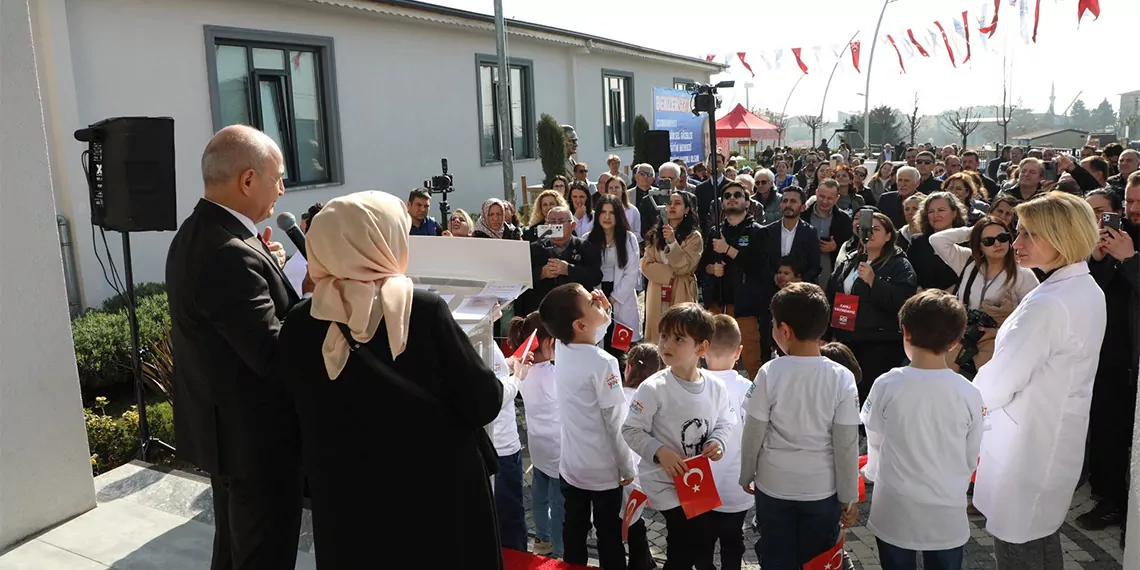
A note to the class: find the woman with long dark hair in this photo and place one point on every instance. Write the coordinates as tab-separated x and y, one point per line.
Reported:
616	187
672	252
620	273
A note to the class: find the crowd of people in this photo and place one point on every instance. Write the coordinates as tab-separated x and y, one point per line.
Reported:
773	316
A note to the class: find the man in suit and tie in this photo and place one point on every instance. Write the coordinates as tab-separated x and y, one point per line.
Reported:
227	297
789	236
709	191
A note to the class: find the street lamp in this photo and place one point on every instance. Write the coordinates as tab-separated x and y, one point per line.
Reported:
867	90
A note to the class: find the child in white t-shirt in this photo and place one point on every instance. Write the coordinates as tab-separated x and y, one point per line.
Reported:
727	524
509	479
924	430
801	438
543	434
678	413
641	362
594	463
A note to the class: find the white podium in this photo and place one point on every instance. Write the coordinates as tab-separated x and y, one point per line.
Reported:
472	275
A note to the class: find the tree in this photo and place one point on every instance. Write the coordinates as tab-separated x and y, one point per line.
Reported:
886	126
914	121
962	122
640	151
779	119
551	149
813	122
1005	112
1079	116
1103	116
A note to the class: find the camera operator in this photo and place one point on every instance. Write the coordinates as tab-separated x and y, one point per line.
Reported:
557	259
989	281
1116	267
419	204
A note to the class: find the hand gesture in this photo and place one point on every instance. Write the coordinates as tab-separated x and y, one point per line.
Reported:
1064	163
850	515
275	248
447	233
520	366
1116	243
867	274
827	245
667	233
600	298
719	245
672	463
580	211
718	269
1101	250
713	451
558	266
548	272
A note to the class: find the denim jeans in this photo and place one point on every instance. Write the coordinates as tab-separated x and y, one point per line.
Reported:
548	509
509	501
794	532
895	558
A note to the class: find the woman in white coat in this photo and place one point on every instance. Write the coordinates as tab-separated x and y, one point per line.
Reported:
1038	387
620	268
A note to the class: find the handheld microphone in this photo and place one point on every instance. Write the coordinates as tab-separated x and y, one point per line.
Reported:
287	222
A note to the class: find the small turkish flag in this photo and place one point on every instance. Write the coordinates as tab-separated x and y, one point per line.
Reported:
696	489
862	483
527	347
830	560
633	505
622	338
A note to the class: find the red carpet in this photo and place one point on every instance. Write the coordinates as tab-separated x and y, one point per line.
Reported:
515	560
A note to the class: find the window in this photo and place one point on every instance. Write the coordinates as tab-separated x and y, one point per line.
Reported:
520	91
283	84
684	84
618	98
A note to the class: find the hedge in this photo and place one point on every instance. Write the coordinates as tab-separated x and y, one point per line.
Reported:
113	440
103	340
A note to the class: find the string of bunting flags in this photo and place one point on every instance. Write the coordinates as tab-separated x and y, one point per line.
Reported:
925	41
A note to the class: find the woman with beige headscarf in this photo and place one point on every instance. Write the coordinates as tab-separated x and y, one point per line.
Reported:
390	468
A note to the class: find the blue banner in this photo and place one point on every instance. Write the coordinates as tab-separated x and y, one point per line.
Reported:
673	112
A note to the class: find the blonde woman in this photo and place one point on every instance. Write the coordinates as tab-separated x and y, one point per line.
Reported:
881	181
546	201
459	224
672	252
1038	386
911	205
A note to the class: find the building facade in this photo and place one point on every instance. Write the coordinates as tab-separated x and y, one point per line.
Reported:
359	94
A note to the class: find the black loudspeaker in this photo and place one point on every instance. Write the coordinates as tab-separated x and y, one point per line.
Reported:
657	148
130	171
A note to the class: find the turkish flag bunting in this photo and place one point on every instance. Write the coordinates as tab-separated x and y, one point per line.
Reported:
832	559
1090	6
740	54
966	28
710	57
636	500
897	52
855	47
990	29
862	483
946	40
800	59
696	489
623	337
1037	20
921	49
527	347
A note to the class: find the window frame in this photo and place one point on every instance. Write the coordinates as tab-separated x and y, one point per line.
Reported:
329	108
689	83
630	113
530	118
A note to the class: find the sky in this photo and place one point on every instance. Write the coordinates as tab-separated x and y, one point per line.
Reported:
1081	62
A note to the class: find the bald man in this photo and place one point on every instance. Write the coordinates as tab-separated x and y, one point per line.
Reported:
227	297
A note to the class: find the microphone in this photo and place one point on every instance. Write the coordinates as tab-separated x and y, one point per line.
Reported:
287	222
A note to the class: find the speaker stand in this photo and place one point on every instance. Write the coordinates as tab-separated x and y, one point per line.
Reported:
145	439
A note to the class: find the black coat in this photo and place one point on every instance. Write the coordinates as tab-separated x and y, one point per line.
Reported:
227	299
585	268
375	454
891	205
840	231
931	271
1120	282
878	315
745	276
706	194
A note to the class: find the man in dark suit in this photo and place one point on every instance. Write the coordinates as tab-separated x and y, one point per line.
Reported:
558	261
227	298
788	237
708	193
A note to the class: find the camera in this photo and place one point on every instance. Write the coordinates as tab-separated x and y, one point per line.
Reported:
442	185
976	320
550	231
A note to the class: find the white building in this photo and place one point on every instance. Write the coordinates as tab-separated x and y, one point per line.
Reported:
361	94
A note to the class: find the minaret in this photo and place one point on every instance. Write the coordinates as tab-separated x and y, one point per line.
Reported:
1051	113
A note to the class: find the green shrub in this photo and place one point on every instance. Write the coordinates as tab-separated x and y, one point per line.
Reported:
103	342
142	291
113	440
551	149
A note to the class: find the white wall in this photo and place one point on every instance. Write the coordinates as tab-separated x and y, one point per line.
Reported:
407	96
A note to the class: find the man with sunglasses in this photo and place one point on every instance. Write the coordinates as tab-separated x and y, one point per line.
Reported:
927	182
733	271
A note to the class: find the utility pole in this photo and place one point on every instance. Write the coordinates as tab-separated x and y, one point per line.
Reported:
867	89
503	94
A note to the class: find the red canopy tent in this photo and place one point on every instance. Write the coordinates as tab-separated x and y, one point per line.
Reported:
740	124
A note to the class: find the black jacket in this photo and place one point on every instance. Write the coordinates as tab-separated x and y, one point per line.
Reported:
1120	281
585	268
879	305
805	246
227	299
840	231
891	205
930	270
745	276
706	194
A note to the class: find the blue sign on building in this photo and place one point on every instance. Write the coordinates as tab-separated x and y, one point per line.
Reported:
673	112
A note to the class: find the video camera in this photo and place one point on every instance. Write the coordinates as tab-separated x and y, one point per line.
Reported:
442	185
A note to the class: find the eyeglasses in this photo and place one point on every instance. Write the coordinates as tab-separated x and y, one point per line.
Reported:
991	240
644	173
924	161
731	195
860	173
763	182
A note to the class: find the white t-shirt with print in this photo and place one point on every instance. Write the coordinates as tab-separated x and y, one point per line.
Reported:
929	425
726	472
505	428
801	398
636	485
679	419
588	381
543	424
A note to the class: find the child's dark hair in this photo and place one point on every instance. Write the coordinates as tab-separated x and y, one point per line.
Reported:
804	307
687	319
520	328
726	334
839	353
559	309
644	361
793	262
934	319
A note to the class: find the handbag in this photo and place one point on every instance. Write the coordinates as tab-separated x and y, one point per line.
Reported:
482	439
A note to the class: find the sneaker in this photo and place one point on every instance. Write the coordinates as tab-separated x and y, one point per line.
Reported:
542	547
1102	516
